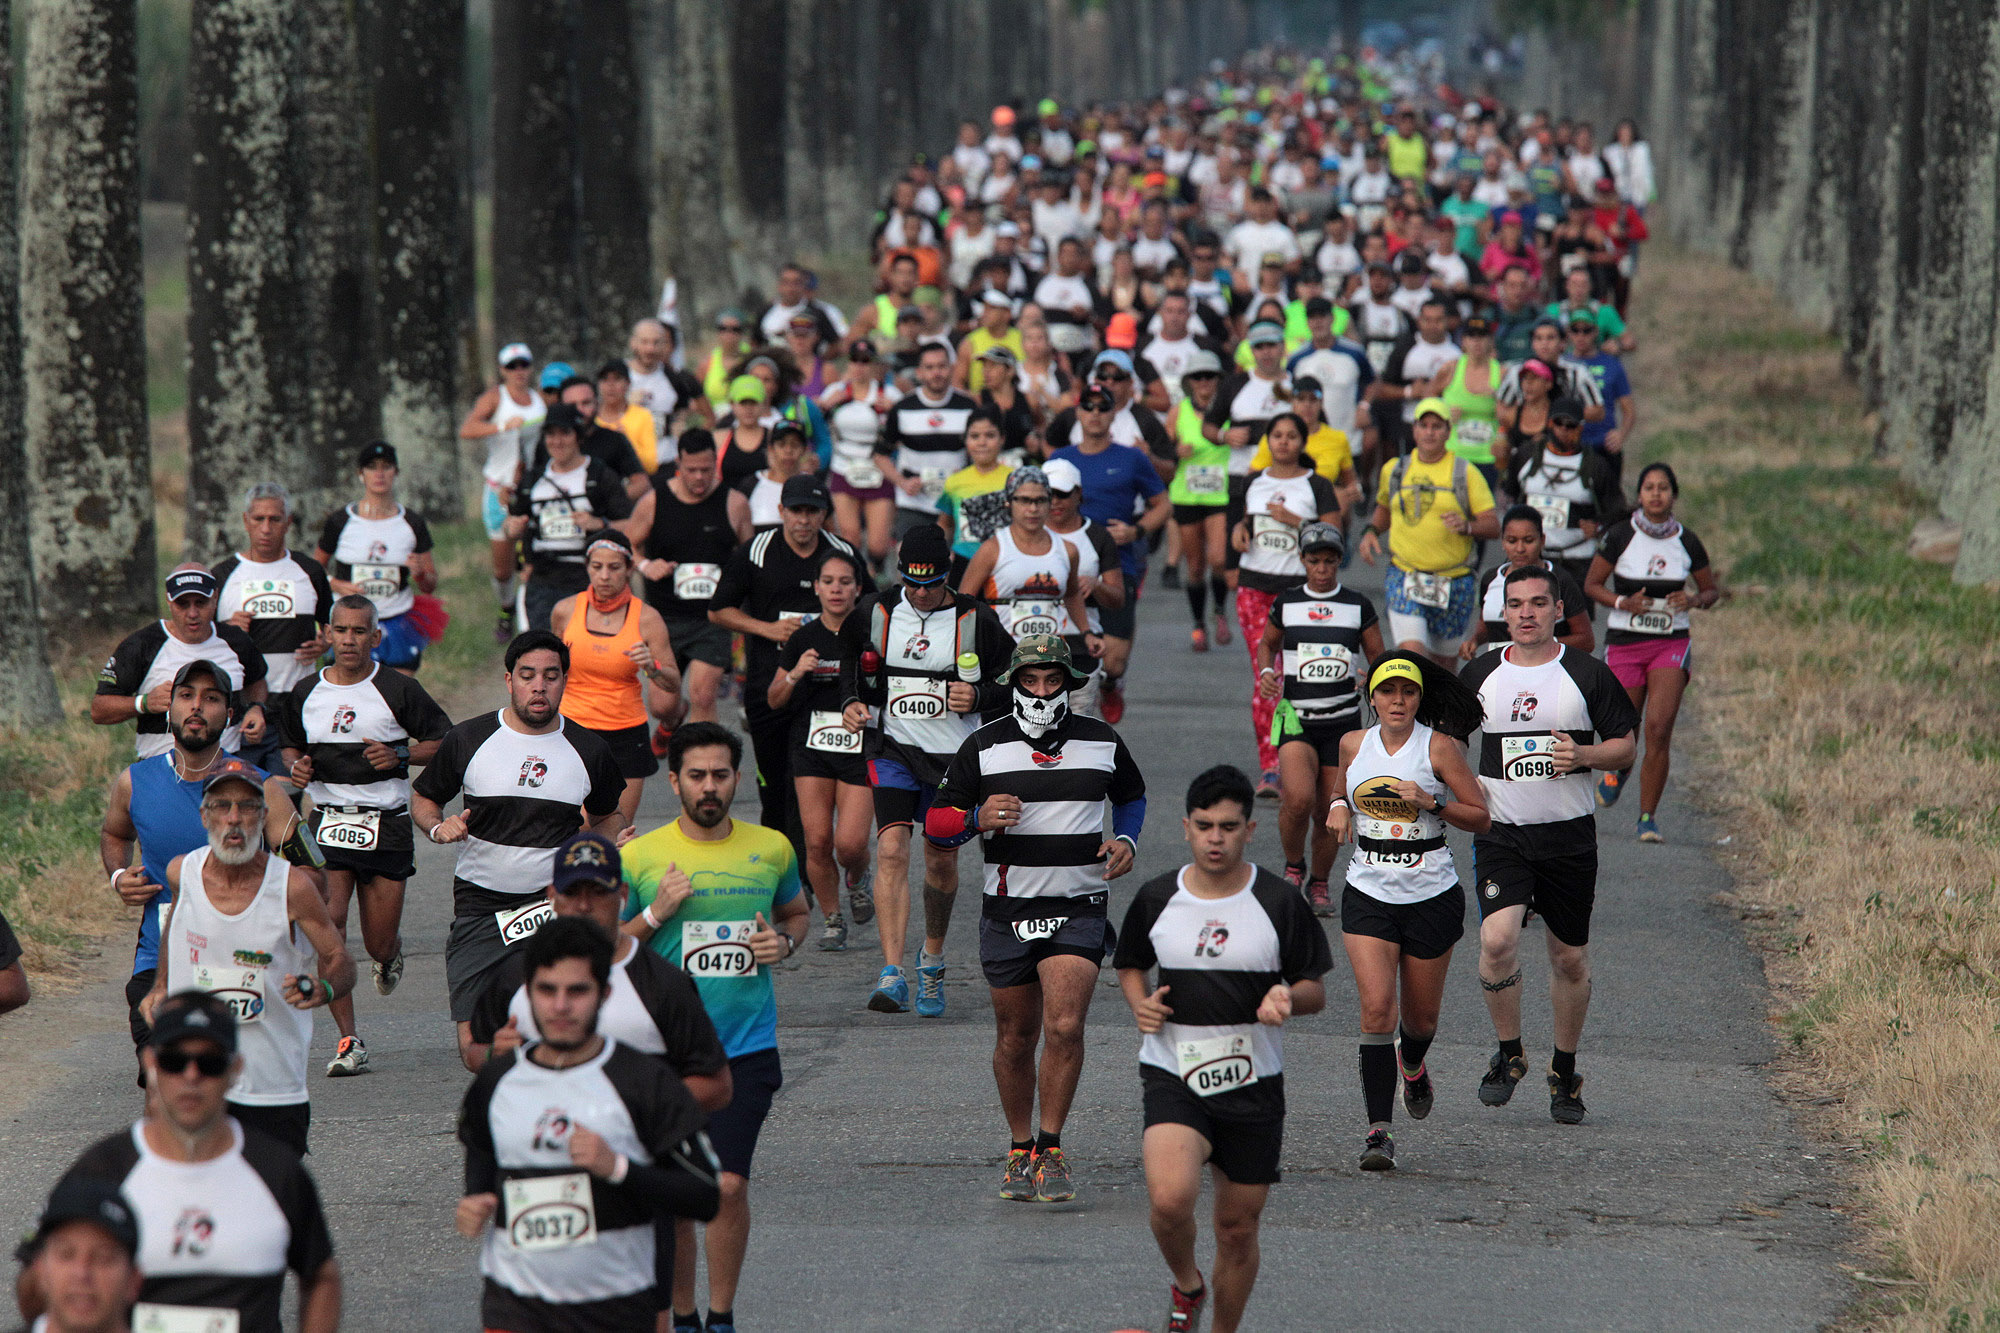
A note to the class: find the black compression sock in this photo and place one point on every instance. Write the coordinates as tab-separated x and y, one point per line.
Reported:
1045	1141
724	1317
1378	1076
1197	595
1563	1063
1414	1050
1021	1145
1512	1048
1218	587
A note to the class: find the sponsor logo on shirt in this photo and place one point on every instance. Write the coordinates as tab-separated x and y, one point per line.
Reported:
343	721
533	772
193	1230
1319	611
1525	705
551	1128
1214	938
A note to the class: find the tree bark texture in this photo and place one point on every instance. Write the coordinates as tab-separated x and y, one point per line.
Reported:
31	698
617	275
417	55
82	297
246	402
536	261
342	386
686	116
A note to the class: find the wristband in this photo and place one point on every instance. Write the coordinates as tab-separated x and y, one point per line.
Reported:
647	913
139	703
1340	801
114	877
1268	671
1129	841
619	1169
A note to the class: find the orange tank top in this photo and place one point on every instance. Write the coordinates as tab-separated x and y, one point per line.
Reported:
603	688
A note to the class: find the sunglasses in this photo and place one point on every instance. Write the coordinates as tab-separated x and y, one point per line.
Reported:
1565	423
1029	499
1112	377
517	365
583	886
1094	405
1204	375
175	1060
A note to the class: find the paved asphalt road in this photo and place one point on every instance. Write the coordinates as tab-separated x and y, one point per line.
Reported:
1686	1201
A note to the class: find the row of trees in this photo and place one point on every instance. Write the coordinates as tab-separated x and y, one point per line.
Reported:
330	256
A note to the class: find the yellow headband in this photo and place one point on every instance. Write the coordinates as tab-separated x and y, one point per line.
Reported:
1395	666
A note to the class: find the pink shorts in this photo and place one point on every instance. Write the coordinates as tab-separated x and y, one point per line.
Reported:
1631	661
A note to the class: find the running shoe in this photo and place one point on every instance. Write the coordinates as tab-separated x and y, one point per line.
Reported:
1609	788
349	1058
1170	577
1649	830
1320	897
1222	634
1502	1073
1295	875
387	975
503	629
1019	1182
1184	1312
1267	785
1198	640
892	993
1052	1182
687	1323
833	934
1565	1107
1111	702
1418	1095
1379	1153
861	897
661	735
715	1325
930	991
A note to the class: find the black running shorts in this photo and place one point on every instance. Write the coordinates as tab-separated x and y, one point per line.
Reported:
1426	929
1246	1151
1009	959
1559	882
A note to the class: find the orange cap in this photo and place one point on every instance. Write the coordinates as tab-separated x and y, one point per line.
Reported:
1003	116
1122	331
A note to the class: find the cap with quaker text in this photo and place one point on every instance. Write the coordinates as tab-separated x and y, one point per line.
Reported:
587	858
514	352
190	583
925	555
806	491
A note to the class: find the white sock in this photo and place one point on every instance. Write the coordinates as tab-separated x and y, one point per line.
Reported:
503	593
925	958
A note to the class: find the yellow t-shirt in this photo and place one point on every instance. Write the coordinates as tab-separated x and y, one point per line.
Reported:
979	340
1328	449
1418	539
638	428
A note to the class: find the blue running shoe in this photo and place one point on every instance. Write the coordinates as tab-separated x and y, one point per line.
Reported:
892	993
930	991
1649	831
1609	788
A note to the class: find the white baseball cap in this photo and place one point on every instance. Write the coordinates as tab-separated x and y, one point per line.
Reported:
516	352
1062	475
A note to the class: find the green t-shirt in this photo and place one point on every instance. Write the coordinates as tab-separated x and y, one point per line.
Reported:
1609	325
1467	214
1203	476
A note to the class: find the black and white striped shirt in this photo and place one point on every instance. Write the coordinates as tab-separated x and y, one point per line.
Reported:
1219	957
524	794
333	724
288	600
1322	651
1063	778
1573	380
1574	693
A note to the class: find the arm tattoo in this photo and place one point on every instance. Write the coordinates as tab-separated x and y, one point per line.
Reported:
1502	984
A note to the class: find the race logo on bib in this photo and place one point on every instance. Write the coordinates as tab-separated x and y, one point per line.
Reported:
1378	797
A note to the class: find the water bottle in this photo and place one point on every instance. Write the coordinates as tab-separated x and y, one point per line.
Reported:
968	668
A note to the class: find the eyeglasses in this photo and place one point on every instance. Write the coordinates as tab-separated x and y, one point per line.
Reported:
1030	499
233	807
176	1059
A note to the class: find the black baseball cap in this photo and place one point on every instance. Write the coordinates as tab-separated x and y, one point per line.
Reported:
862	350
563	416
925	555
1411	262
87	1199
379	451
190	1014
587	858
1095	397
1317	306
1306	385
1566	406
201	666
805	491
190	583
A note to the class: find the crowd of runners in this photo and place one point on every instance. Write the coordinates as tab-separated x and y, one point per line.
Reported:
884	565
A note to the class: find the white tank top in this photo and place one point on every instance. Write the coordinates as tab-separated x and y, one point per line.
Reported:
765	511
1087	567
1399	853
856	428
244	960
1028	589
503	447
1274	545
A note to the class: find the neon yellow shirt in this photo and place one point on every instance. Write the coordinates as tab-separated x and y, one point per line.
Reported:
1418	539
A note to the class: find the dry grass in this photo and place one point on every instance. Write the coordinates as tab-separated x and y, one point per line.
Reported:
1848	739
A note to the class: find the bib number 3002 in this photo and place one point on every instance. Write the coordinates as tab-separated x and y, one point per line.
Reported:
1212	1065
718	949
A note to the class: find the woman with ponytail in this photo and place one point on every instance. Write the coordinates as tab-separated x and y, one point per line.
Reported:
1403	911
613	641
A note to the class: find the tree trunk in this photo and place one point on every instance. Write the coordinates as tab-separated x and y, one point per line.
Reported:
245	368
537	288
417	56
24	653
684	114
809	114
617	274
82	299
342	387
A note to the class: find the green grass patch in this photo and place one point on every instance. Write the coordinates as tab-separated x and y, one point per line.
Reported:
1789	341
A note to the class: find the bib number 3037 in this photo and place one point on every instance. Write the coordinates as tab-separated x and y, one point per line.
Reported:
1212	1065
551	1212
718	949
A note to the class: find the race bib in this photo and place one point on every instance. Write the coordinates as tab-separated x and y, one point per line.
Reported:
378	581
717	949
860	475
1207	479
1039	928
517	923
1026	616
797	617
1656	619
1323	663
1554	510
694	582
1475	430
1528	759
826	733
551	1212
150	1318
1430	590
915	698
933	479
559	525
356	830
1270	536
270	599
241	988
1211	1065
1379	352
